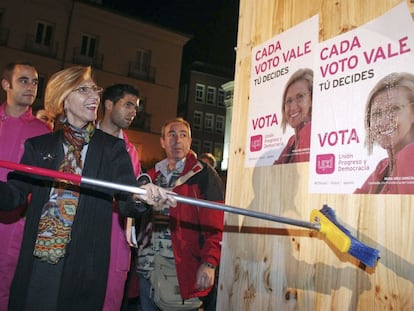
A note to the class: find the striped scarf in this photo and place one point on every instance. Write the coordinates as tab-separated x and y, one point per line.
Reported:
58	213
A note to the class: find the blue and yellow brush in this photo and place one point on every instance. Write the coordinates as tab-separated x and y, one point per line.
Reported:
323	220
341	237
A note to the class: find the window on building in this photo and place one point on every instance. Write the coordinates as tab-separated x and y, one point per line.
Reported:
218	151
199	93
211	95
220	98
88	45
196	146
44	33
143	60
207	146
209	122
142	120
197	120
184	94
220	123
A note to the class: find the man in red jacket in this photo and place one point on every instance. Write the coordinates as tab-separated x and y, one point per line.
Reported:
187	235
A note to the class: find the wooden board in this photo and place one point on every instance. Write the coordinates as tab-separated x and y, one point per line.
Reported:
269	266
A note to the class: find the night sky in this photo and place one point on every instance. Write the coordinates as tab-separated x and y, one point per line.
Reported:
211	23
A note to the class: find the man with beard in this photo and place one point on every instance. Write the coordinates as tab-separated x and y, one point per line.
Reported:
119	105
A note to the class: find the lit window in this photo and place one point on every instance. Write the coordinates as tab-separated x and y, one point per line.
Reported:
220	121
199	93
209	122
207	146
197	120
220	98
211	95
195	146
218	151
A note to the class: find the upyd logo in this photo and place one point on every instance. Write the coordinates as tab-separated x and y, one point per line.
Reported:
256	143
325	163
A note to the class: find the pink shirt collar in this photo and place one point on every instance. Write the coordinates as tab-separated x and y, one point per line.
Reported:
27	116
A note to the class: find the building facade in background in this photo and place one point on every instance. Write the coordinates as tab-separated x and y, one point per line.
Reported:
202	103
54	35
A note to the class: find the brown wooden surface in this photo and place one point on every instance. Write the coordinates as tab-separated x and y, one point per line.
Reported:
270	266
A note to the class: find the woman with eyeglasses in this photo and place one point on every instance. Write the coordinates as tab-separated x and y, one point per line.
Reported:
297	112
389	123
64	258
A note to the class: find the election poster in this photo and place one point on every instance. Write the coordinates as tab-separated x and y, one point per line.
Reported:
274	63
362	120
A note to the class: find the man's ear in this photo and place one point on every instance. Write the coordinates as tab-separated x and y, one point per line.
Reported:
108	104
5	84
162	142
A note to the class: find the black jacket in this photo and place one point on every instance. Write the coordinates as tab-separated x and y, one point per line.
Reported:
84	277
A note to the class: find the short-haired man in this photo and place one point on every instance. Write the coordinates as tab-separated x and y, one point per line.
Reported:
186	235
119	106
17	123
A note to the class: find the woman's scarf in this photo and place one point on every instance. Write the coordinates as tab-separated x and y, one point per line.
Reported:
58	213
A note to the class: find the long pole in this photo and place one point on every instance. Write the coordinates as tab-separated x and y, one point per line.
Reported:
81	180
325	221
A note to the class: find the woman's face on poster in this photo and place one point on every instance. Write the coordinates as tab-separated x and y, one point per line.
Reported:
392	118
298	103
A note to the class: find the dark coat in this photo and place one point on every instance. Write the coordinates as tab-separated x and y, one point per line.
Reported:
84	277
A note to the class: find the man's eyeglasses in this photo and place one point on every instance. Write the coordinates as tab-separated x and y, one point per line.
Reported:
298	99
88	89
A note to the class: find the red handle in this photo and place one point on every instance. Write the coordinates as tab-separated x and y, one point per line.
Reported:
76	179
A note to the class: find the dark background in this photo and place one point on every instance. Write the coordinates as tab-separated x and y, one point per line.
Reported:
212	24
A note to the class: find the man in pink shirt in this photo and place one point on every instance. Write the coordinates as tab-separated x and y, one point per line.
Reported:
119	105
17	123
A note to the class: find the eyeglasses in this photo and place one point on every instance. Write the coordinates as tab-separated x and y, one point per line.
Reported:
88	89
298	99
389	112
